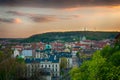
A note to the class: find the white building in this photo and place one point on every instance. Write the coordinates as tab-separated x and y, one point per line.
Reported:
27	53
36	64
16	53
49	61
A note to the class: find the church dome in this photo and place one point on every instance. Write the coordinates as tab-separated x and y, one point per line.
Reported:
48	46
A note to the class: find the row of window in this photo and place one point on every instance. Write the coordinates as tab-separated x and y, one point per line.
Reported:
30	74
43	65
33	70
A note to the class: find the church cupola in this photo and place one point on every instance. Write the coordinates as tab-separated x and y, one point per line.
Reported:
48	48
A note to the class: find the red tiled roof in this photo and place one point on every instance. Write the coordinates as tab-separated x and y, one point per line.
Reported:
75	49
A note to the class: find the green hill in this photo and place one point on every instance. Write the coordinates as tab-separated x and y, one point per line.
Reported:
70	36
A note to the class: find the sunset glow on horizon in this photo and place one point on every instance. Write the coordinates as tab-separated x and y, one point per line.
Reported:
18	20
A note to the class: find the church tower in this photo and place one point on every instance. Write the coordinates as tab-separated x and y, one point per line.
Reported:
48	48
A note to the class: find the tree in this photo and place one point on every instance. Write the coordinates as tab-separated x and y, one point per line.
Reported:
10	68
104	65
63	63
39	74
78	54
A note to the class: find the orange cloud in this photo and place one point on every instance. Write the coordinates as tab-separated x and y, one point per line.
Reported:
72	9
17	20
115	7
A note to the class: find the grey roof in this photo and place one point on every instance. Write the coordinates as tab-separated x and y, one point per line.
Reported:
64	54
54	58
43	51
38	60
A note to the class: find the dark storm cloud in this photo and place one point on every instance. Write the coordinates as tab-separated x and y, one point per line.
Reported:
43	19
10	20
59	3
35	17
7	20
18	13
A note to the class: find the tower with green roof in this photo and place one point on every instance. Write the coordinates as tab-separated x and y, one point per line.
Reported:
48	48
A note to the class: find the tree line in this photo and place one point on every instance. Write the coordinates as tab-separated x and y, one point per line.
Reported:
70	36
104	65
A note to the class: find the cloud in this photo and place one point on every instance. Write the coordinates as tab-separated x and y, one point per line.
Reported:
43	19
72	9
6	20
15	13
59	3
34	17
10	20
18	13
114	7
17	20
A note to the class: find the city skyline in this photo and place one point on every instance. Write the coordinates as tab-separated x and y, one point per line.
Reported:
23	18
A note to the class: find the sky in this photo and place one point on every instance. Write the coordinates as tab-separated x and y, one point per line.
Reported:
24	18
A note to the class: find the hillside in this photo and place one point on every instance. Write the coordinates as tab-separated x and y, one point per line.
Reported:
70	36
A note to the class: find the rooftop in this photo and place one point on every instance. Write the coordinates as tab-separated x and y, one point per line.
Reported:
52	58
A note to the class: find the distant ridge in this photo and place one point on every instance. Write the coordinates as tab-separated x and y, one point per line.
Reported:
70	36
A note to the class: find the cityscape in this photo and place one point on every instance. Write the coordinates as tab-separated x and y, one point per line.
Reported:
59	40
53	60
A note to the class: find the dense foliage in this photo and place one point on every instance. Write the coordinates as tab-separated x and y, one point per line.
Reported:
70	36
11	68
63	63
104	65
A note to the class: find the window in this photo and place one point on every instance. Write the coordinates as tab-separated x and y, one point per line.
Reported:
32	70
32	65
45	66
36	66
41	66
55	74
53	65
28	66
